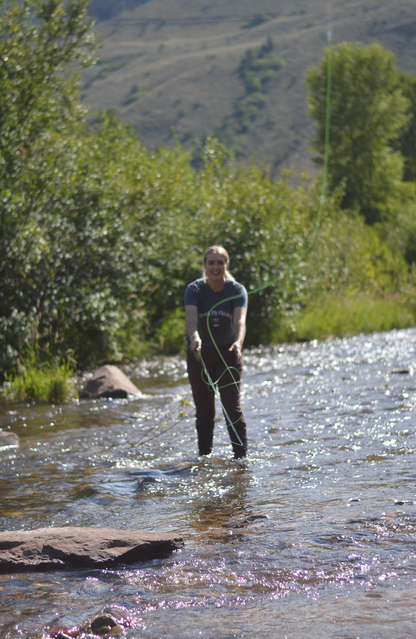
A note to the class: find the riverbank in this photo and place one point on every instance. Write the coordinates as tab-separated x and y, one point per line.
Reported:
331	316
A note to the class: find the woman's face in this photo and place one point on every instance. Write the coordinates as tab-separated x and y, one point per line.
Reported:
215	266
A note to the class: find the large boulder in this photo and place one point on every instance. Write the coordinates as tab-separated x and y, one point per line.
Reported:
8	440
109	381
70	547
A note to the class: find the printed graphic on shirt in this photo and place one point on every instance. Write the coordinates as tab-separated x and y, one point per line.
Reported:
215	314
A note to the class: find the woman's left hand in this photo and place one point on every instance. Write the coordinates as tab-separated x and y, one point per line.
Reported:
239	322
237	348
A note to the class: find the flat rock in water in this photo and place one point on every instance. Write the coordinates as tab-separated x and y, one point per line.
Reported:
109	381
8	440
71	547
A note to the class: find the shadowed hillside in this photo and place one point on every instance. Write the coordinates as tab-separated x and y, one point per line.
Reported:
177	63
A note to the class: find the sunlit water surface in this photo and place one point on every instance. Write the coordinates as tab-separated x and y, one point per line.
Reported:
312	536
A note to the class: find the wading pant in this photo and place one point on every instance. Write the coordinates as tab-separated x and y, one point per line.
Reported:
204	398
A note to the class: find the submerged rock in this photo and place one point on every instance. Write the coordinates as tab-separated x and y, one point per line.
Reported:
104	625
101	625
70	547
8	440
109	381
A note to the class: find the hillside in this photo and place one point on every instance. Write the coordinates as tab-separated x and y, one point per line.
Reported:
177	63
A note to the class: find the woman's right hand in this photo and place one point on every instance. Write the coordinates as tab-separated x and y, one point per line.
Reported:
196	342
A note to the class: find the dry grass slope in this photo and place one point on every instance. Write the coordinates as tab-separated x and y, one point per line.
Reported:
174	63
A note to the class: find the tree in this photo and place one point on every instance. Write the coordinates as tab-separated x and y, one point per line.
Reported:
368	110
40	42
406	142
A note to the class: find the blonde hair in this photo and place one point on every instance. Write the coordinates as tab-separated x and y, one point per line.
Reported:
219	250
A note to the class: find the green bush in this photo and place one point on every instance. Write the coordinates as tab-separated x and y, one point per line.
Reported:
268	62
171	335
256	70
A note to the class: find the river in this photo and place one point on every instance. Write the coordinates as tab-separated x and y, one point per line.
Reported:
312	536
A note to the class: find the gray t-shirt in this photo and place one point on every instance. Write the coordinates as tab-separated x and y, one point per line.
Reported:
200	294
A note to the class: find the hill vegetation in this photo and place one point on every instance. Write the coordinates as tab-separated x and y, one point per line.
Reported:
101	235
175	63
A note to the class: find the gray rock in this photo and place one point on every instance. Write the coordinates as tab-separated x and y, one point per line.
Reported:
8	440
70	547
109	381
103	625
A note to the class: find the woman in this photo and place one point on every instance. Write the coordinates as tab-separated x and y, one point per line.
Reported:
217	349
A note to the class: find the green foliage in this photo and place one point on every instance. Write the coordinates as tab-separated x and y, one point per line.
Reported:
256	70
398	230
67	254
406	142
345	316
267	63
368	110
171	334
46	382
40	39
40	42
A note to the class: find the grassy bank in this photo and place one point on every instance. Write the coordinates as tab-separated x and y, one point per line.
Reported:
44	382
334	316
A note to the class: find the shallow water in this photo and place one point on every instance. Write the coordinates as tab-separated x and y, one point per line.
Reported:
312	536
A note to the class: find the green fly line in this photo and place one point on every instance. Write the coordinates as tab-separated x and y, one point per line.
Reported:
214	385
149	435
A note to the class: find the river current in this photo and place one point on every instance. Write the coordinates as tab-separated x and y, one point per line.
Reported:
312	536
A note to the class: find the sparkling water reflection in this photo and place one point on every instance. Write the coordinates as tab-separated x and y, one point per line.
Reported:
312	536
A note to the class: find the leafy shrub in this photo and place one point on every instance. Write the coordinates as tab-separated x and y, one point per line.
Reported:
268	62
171	335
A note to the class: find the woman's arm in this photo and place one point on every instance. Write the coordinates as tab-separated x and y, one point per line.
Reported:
191	318
239	322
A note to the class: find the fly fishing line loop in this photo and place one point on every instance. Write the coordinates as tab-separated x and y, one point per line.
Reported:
295	262
216	388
